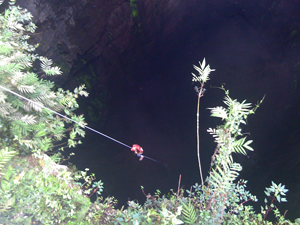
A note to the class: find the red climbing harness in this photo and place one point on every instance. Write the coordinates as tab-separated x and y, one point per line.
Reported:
137	149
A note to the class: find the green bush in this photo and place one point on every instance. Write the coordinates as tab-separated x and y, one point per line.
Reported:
33	187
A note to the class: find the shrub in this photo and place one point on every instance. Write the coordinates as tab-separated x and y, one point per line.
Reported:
33	187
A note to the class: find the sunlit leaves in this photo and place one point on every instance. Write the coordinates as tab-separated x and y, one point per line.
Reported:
229	139
26	88
81	91
46	65
2	97
5	156
189	213
219	111
240	145
33	127
28	119
204	71
277	191
222	179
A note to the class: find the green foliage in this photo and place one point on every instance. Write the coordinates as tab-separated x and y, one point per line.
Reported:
204	72
33	188
44	193
229	139
156	210
25	124
5	157
274	193
189	213
134	9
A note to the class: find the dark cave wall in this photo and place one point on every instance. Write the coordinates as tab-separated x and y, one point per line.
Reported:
99	42
74	33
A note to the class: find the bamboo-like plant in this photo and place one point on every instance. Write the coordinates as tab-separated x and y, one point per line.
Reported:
204	72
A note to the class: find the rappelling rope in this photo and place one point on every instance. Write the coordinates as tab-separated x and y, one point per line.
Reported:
61	115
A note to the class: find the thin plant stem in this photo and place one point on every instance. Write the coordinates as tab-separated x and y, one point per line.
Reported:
200	94
178	189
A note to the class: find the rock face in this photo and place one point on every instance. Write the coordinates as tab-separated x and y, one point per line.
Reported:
96	42
75	33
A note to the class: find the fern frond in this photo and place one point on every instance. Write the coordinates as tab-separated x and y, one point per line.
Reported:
14	25
37	106
17	77
204	71
222	179
22	59
219	111
28	119
47	68
7	204
19	128
228	101
2	97
189	213
10	68
26	88
81	91
28	143
238	146
29	79
44	96
5	47
246	145
217	135
5	157
6	109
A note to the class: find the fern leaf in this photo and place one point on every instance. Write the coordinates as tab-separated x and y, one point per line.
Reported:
2	97
5	48
217	176
189	213
246	145
28	119
37	106
216	135
219	111
47	68
22	59
5	157
238	146
19	128
26	88
15	25
7	205
222	178
6	109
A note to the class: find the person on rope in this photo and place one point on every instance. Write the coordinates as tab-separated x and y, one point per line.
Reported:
138	150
